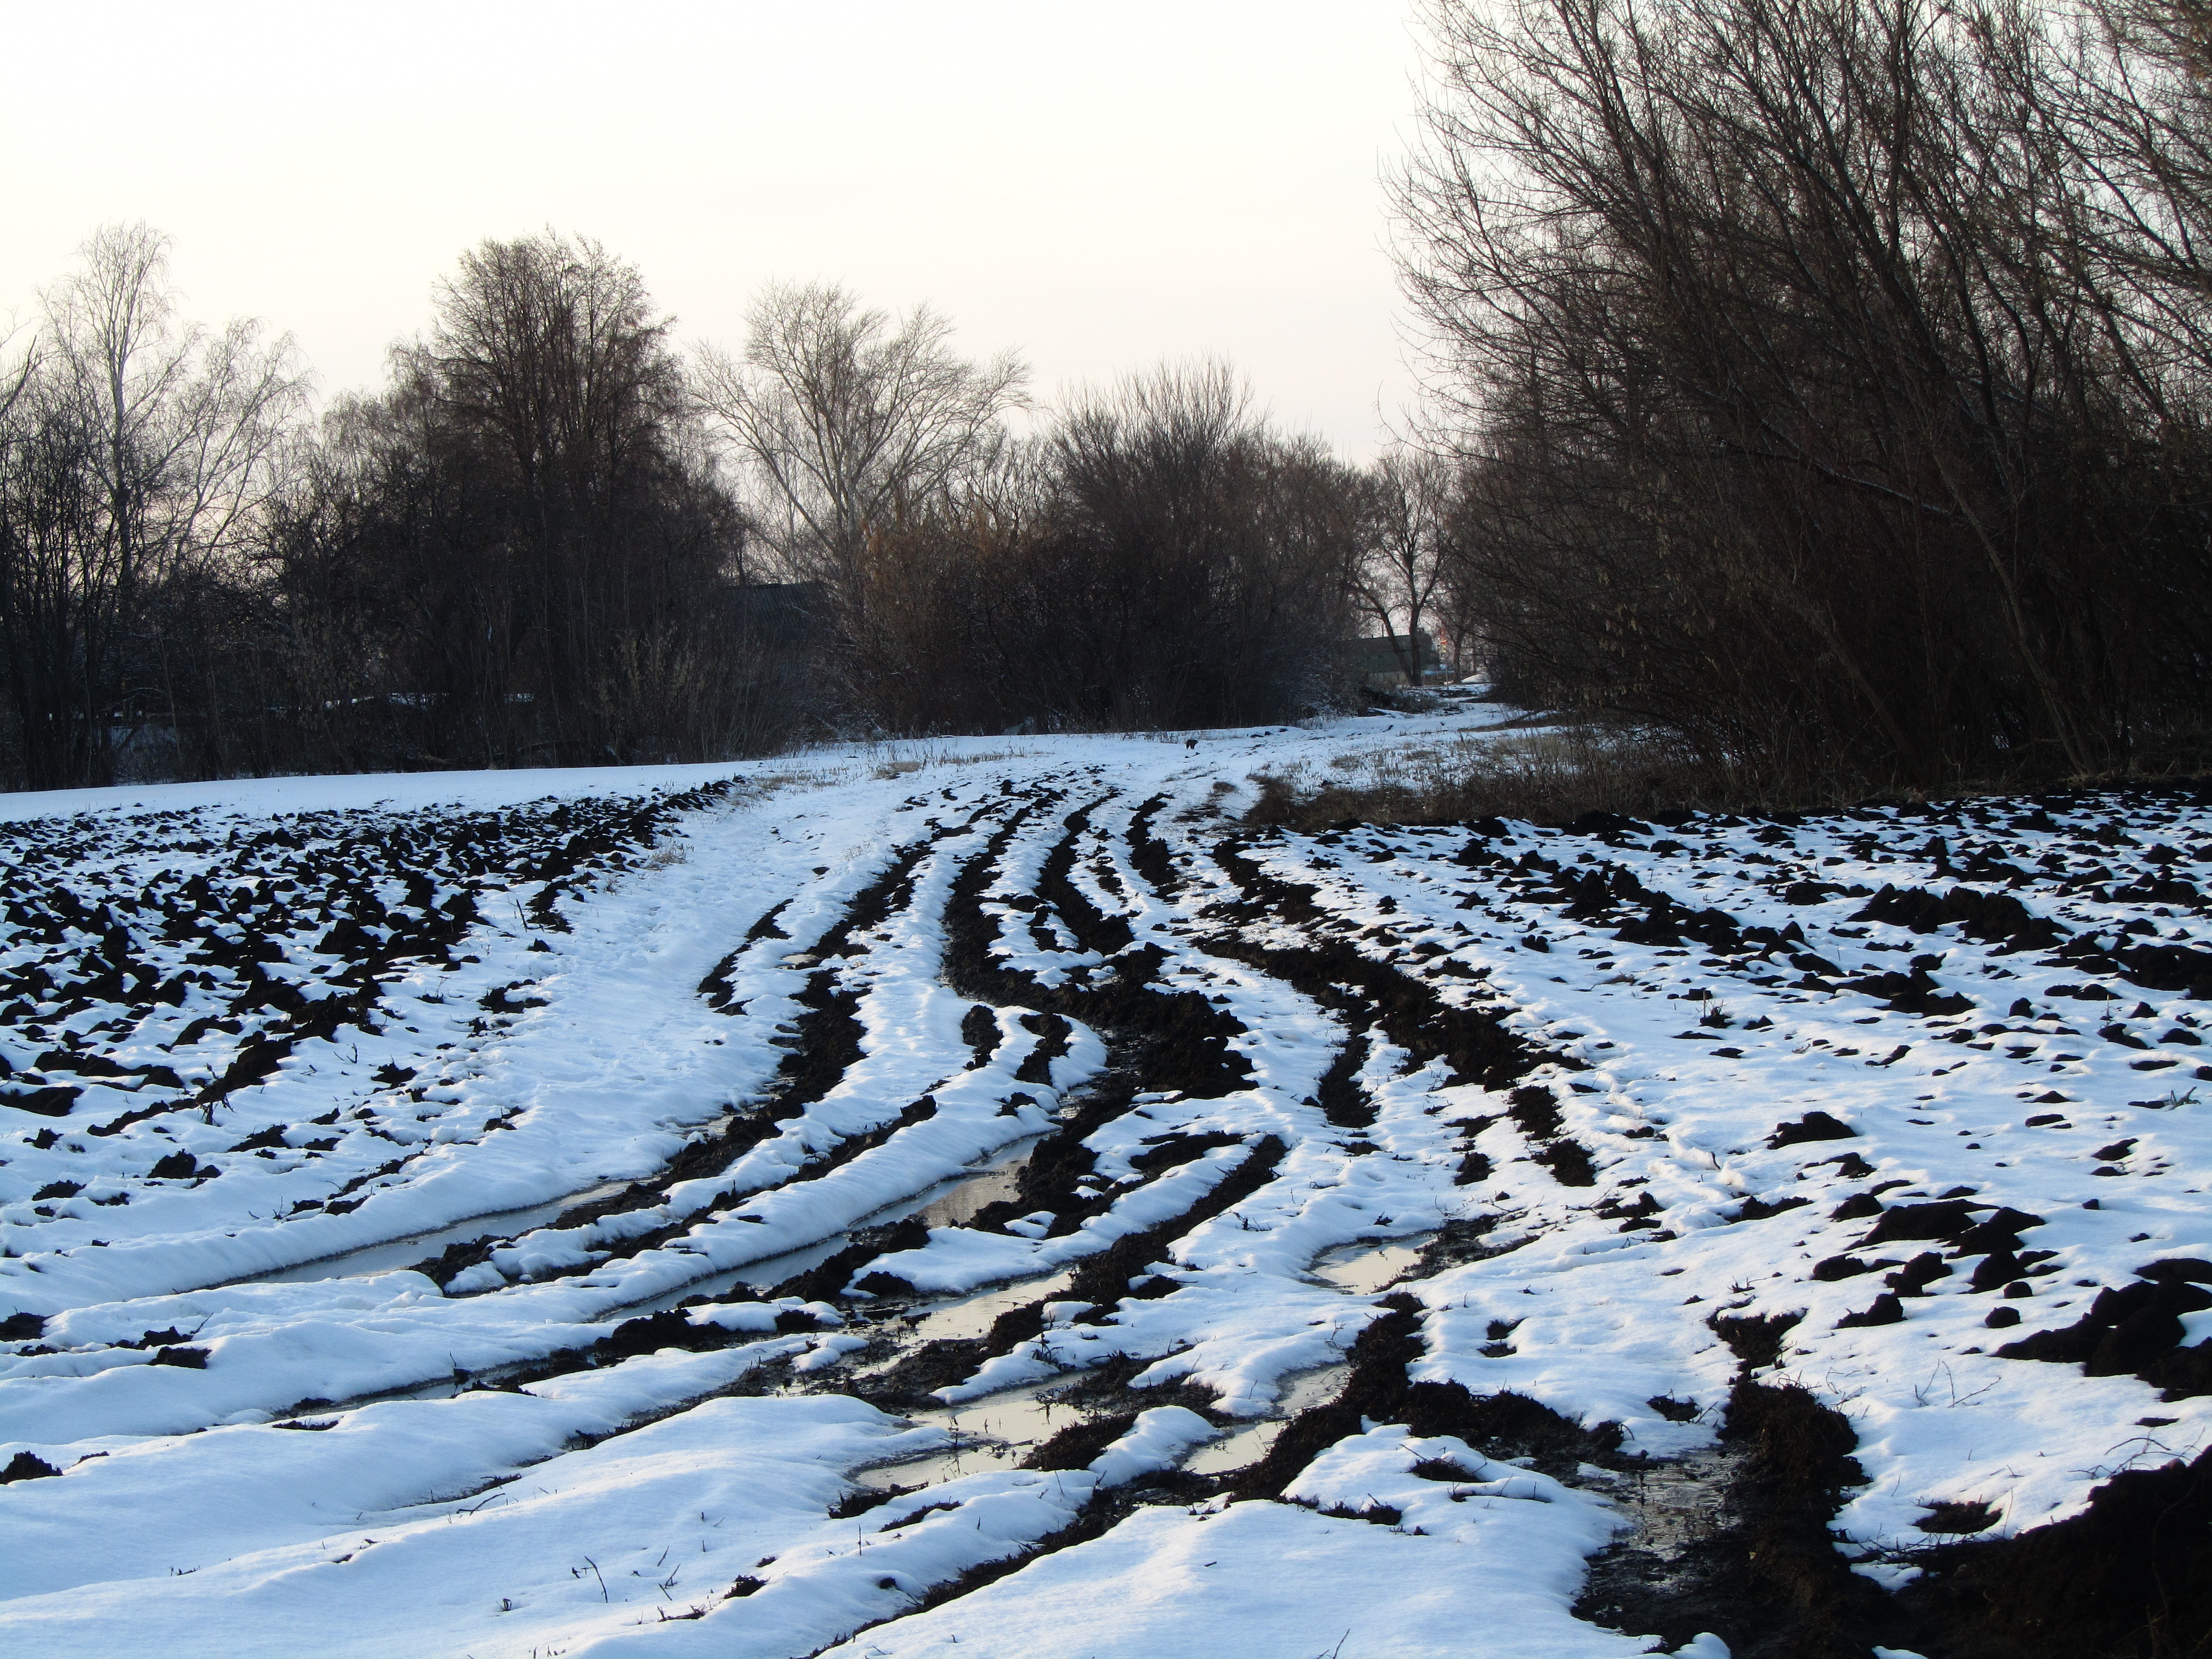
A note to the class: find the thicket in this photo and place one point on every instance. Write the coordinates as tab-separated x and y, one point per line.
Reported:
1829	377
549	539
1160	558
520	552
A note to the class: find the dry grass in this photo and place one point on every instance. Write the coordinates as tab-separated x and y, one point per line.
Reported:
1555	775
896	760
1549	775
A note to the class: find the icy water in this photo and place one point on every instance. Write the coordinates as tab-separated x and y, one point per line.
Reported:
972	1316
1364	1269
996	1431
1249	1445
947	1205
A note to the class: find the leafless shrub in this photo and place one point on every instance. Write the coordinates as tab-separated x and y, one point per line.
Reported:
1829	376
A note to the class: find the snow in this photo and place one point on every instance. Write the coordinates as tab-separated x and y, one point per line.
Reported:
406	1246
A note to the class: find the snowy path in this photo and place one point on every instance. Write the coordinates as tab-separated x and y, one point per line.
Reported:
747	1209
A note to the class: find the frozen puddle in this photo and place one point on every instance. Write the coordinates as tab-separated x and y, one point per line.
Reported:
971	1315
1364	1269
999	1430
1314	1388
994	1432
959	1206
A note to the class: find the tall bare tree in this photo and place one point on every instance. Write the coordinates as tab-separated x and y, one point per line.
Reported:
1402	567
850	417
138	445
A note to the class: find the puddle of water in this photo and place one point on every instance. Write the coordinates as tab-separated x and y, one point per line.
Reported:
1249	1445
995	1432
1245	1446
1364	1269
1678	1504
389	1257
972	1316
960	1197
958	1207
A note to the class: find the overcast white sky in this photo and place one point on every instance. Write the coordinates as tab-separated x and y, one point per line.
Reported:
1099	185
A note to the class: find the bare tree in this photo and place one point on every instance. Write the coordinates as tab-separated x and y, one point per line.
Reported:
1401	566
847	418
1831	373
524	552
136	446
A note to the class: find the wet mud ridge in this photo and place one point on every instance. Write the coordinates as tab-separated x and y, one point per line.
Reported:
864	1219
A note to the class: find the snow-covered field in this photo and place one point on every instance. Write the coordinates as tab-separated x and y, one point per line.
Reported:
844	1203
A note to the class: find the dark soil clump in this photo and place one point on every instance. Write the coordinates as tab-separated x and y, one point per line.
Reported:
2129	1578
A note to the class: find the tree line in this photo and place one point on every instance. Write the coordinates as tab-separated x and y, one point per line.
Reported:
1825	382
554	538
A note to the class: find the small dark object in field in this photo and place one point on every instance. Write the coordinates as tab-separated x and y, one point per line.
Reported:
2125	1329
1441	1468
1536	1110
1813	1126
1759	1209
1959	1516
1569	1163
859	1501
1381	1515
1915	1275
2002	1318
670	1328
53	1100
24	1467
1755	1339
1946	1219
1076	1445
2176	1270
1842	1267
1886	1310
1997	1267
